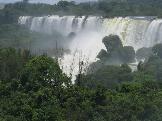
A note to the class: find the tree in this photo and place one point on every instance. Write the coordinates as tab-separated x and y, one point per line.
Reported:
144	53
12	62
109	76
128	54
102	54
116	54
42	71
157	50
152	67
112	42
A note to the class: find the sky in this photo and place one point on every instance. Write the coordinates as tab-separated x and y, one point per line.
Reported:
43	1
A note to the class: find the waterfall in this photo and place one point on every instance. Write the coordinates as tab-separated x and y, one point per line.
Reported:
133	31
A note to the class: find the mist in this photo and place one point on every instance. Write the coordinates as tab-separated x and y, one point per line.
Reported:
86	42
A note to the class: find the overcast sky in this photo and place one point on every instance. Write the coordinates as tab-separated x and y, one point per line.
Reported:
44	1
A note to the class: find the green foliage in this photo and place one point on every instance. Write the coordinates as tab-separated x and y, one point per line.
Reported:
130	7
137	99
44	93
154	67
109	76
128	54
116	54
102	54
11	62
42	71
13	35
36	89
157	50
35	96
152	64
112	42
143	53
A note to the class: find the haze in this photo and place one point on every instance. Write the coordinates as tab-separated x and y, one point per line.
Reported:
42	1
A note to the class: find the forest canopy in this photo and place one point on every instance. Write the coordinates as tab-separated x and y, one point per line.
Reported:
34	88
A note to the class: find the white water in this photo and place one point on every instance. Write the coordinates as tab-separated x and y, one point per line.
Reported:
134	31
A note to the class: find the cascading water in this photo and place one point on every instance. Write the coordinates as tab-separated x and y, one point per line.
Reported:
134	31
